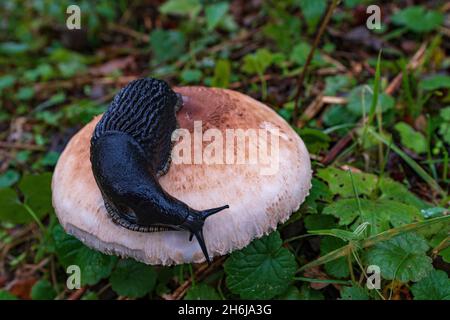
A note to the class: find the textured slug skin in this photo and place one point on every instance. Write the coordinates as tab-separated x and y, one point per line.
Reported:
130	148
126	182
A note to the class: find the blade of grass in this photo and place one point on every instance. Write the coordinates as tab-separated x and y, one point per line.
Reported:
34	216
383	236
413	164
374	103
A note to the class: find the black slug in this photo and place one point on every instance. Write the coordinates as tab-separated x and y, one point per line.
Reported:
130	148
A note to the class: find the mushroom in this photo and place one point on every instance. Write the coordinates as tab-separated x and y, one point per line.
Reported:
216	160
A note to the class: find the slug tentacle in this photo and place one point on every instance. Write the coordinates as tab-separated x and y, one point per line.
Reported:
130	148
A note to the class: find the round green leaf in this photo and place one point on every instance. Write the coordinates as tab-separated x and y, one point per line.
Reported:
94	265
43	290
133	279
11	210
403	258
436	286
262	270
37	192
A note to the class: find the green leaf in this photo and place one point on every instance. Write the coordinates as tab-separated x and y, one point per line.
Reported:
312	11
7	81
258	62
337	115
43	290
411	138
5	295
167	44
222	74
305	293
360	98
262	270
181	7
418	19
8	178
94	265
215	13
133	279
191	76
319	221
334	84
435	82
13	48
202	291
314	139
340	181
319	194
91	295
354	293
393	190
11	209
339	267
25	93
37	192
445	254
402	258
378	213
436	286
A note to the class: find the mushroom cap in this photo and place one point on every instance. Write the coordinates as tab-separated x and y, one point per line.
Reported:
258	201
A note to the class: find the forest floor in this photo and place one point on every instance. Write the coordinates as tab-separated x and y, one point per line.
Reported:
372	106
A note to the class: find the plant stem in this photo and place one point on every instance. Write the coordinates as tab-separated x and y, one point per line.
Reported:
302	76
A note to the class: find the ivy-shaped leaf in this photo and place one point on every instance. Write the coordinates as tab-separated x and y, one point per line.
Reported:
262	270
402	258
133	279
94	265
340	181
436	286
202	291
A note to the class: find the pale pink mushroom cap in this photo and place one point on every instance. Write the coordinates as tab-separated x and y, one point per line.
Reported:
258	200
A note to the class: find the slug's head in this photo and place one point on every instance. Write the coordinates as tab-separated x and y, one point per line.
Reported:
194	224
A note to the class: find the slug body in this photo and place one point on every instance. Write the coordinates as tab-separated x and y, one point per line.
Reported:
130	149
